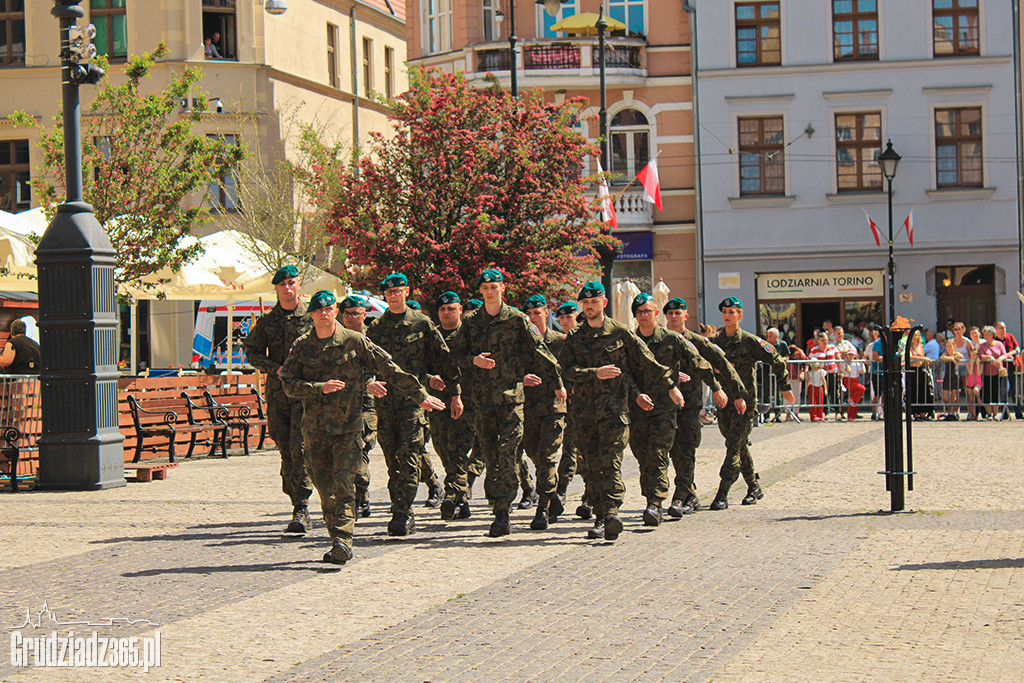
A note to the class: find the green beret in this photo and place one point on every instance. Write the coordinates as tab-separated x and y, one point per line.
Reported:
447	298
731	302
473	304
675	304
640	300
321	299
413	304
353	301
535	301
490	275
394	280
568	308
590	290
284	273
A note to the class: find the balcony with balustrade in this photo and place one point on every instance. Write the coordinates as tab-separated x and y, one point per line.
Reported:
569	63
630	208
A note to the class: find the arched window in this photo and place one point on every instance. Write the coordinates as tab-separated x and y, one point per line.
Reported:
631	144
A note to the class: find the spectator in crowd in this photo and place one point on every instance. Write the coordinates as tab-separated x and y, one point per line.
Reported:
815	375
973	380
826	354
873	353
826	327
918	380
933	349
963	346
851	371
1009	390
797	367
782	348
210	50
952	359
21	354
993	354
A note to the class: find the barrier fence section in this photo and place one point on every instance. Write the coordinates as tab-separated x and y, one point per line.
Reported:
20	424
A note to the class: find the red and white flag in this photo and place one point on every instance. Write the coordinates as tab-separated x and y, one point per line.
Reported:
607	205
874	228
908	225
648	175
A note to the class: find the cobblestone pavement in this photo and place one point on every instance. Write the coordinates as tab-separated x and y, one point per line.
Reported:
811	584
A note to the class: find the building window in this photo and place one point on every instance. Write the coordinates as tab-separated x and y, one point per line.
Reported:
955	27
224	192
437	26
854	29
545	21
630	13
758	34
631	144
219	25
389	72
958	147
12	32
332	55
15	192
490	20
858	144
109	16
762	169
367	66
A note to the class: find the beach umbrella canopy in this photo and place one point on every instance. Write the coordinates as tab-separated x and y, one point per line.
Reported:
585	24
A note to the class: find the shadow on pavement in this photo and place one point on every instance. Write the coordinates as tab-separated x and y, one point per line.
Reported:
307	565
815	518
1002	563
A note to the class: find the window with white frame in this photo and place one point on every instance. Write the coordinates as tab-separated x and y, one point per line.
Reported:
762	159
545	21
224	191
858	144
958	147
492	10
630	13
437	26
630	134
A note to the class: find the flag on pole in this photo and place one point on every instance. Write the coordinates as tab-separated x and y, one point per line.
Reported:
607	205
648	176
908	225
874	228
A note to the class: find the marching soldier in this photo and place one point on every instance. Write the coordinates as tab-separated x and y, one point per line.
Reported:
568	464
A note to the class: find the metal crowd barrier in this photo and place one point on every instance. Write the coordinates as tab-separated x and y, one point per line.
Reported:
20	423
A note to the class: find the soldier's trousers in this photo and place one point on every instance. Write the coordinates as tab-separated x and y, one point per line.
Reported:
499	429
522	469
684	451
542	437
400	434
369	441
600	443
427	474
333	460
650	438
736	430
453	440
570	463
284	422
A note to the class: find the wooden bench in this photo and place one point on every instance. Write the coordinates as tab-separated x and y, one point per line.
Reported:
243	411
159	418
148	471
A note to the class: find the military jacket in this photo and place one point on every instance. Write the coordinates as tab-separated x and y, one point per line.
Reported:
541	400
678	355
266	346
516	348
351	358
744	350
588	348
417	347
464	385
726	376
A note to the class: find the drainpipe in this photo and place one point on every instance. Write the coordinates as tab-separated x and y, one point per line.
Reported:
698	241
355	78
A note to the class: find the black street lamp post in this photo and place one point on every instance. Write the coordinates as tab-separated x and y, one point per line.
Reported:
889	160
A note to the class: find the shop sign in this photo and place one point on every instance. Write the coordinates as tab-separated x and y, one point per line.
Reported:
841	284
636	246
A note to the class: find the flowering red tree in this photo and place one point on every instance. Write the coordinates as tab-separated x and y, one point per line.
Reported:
469	180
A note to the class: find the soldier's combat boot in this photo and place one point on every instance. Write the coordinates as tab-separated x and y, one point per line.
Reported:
502	525
339	553
463	511
754	493
364	508
675	510
540	520
583	511
448	506
598	530
652	516
612	527
401	524
721	500
529	499
556	507
300	521
435	495
691	504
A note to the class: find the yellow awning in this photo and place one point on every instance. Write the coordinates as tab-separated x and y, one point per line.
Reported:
586	24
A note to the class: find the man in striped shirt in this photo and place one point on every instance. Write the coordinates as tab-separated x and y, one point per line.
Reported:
827	354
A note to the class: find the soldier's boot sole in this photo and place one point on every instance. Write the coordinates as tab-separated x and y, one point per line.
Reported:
338	554
652	516
540	520
754	494
612	527
448	507
501	526
301	521
691	504
675	510
597	531
584	511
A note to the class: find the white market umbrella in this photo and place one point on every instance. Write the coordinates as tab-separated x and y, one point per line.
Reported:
662	294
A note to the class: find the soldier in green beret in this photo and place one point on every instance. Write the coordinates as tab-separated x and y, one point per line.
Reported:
413	304
475	466
266	348
604	360
327	370
418	348
743	350
502	347
567	315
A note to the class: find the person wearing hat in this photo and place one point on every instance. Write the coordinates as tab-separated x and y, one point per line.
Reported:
543	420
567	315
724	383
417	347
266	348
743	350
653	430
605	362
452	438
327	370
502	347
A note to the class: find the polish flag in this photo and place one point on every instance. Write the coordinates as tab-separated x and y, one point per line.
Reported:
607	205
908	225
648	175
874	228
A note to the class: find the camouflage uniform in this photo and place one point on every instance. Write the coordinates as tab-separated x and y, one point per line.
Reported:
744	350
332	424
515	346
688	428
544	418
369	441
417	347
266	348
653	432
600	405
453	439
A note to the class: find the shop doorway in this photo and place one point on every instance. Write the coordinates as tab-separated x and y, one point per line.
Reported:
813	314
